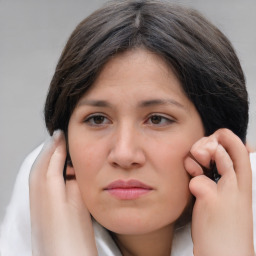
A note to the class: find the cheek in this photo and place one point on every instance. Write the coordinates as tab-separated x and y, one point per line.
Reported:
171	153
172	149
175	179
87	161
84	151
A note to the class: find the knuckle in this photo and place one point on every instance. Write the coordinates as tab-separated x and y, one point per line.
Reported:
223	131
197	145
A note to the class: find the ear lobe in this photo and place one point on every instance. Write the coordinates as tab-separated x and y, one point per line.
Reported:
70	172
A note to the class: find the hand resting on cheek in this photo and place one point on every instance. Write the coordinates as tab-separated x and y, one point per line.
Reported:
222	216
60	221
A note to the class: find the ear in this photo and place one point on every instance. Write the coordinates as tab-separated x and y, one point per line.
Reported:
70	172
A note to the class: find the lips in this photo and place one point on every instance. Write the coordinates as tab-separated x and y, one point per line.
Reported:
128	190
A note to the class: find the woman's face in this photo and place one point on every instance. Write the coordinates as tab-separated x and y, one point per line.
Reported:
128	138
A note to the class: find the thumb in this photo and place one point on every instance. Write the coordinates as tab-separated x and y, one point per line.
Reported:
202	187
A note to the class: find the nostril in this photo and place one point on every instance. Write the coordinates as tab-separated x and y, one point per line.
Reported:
115	164
126	155
125	166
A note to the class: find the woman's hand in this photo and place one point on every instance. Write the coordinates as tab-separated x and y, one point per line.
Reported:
60	221
222	215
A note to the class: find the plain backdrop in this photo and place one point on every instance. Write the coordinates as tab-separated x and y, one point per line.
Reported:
32	35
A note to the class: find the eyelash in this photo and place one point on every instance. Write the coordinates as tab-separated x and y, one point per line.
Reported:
90	120
167	120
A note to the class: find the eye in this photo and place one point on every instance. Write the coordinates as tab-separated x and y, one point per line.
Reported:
159	120
97	120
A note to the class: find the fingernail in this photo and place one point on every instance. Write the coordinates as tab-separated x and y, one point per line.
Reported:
56	134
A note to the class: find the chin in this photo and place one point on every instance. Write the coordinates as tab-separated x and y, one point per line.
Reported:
135	224
131	229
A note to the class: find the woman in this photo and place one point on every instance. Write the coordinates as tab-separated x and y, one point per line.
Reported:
141	92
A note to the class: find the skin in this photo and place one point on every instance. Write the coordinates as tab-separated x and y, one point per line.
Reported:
222	211
133	136
57	209
126	145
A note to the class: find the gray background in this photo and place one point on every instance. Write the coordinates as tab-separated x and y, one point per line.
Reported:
32	35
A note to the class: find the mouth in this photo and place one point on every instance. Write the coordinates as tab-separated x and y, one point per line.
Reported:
128	190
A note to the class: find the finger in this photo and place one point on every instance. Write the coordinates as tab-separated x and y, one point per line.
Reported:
239	156
40	166
202	187
223	162
203	150
54	175
57	161
73	193
192	167
46	176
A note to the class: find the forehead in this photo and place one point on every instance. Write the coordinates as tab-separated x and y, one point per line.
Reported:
136	61
136	72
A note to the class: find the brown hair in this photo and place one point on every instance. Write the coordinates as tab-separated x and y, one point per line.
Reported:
202	57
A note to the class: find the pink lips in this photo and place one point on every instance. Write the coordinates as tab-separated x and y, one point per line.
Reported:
128	190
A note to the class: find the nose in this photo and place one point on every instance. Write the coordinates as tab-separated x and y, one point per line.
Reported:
127	149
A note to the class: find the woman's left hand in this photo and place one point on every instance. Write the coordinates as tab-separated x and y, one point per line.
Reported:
222	216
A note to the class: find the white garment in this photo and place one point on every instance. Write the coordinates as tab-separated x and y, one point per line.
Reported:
15	238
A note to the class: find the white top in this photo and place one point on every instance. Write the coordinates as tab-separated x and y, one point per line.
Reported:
15	237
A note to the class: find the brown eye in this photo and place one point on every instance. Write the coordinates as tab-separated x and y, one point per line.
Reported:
156	119
97	120
159	120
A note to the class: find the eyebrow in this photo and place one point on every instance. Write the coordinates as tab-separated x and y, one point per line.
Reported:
143	104
154	102
94	103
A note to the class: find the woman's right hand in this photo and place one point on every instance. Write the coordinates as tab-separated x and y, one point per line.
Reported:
60	221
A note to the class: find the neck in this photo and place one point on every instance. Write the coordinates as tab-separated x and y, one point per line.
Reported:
155	243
